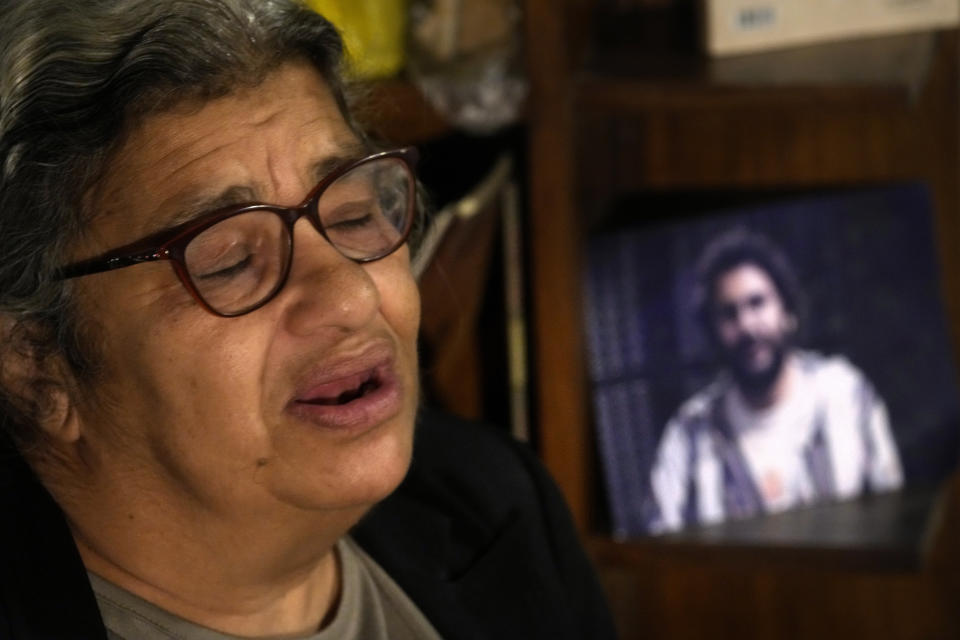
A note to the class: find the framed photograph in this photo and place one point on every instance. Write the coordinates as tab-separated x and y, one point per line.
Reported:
756	359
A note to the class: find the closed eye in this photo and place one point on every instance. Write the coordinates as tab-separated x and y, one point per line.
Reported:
227	272
353	223
756	301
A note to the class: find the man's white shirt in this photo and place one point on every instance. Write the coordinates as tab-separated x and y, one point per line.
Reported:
828	438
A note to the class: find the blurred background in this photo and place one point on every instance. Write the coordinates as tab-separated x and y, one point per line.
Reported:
544	124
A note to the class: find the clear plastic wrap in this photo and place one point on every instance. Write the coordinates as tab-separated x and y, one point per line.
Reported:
465	56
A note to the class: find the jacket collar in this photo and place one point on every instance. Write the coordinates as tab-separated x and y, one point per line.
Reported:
44	591
473	578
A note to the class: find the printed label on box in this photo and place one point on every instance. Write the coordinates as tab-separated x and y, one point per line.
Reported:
755	18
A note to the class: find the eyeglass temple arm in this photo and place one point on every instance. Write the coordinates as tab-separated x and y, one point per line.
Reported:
100	264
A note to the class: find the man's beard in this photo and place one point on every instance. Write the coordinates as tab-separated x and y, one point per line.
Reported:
757	382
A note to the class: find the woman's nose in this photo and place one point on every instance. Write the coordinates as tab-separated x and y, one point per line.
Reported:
325	289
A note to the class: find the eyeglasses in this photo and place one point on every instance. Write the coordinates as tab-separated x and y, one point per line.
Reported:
236	259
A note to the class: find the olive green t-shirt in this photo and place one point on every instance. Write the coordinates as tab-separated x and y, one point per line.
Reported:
371	607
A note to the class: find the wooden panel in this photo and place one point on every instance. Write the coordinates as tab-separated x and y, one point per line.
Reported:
678	135
757	604
900	583
560	406
943	555
625	122
596	135
652	136
395	111
452	289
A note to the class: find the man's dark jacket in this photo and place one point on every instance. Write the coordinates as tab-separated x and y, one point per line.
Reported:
477	535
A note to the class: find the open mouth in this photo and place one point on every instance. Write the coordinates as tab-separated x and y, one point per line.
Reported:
346	391
351	395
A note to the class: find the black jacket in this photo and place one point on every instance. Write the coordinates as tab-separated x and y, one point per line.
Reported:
477	535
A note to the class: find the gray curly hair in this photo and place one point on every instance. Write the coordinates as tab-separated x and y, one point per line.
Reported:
74	76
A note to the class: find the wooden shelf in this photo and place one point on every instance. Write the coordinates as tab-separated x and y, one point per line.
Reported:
695	130
624	105
394	109
874	534
889	581
601	134
622	96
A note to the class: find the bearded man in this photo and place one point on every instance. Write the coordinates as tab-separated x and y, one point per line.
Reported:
779	427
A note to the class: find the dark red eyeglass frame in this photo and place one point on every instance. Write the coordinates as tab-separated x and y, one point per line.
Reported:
170	244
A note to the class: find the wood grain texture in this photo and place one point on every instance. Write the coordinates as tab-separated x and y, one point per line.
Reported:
394	110
604	123
561	406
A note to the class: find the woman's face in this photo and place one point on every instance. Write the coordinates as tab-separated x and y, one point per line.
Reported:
305	403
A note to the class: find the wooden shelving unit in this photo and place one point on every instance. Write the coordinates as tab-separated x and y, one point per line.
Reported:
595	135
623	103
394	109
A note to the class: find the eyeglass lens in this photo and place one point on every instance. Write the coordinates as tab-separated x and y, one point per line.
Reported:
239	262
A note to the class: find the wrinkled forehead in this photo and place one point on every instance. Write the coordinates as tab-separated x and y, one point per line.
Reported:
245	146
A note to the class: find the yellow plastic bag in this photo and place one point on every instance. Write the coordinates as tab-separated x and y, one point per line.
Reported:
374	32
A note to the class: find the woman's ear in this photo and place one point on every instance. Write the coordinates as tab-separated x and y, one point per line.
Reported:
36	382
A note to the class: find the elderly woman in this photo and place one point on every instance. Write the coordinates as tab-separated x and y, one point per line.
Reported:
209	366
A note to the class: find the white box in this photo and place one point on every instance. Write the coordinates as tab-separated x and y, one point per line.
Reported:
742	26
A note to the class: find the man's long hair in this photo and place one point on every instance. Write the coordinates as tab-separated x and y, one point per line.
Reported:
736	248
